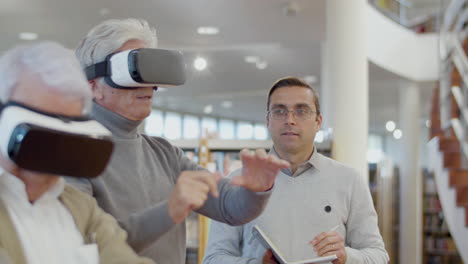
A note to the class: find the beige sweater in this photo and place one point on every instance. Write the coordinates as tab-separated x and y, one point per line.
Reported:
95	225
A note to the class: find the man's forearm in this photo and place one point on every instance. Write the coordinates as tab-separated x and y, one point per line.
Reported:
235	205
366	256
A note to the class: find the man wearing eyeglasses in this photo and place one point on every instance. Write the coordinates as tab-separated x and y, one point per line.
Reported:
319	207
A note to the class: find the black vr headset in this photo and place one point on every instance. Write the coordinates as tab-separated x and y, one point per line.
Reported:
140	68
55	144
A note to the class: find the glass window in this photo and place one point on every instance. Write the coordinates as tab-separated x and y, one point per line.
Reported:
260	132
319	136
154	124
374	148
375	141
226	129
172	125
191	127
244	130
209	125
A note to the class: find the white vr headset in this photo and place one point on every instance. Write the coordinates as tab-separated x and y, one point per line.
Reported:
140	68
53	144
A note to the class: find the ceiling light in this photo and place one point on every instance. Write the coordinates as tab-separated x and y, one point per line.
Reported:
200	64
261	65
397	134
226	104
428	123
251	59
28	35
207	30
390	126
310	79
208	109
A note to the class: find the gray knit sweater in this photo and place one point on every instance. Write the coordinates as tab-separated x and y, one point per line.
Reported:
297	212
138	181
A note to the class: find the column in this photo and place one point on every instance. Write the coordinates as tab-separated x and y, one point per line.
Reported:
410	176
346	81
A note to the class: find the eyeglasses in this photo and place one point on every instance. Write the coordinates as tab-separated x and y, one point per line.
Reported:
282	113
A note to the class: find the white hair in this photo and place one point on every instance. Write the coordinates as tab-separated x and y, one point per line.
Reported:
57	67
110	35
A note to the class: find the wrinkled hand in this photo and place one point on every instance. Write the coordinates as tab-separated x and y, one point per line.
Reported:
190	193
259	170
268	258
330	243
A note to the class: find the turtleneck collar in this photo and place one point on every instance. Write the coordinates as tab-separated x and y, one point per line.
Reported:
120	126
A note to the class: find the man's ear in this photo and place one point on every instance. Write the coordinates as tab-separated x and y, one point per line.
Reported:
92	83
319	122
96	89
8	165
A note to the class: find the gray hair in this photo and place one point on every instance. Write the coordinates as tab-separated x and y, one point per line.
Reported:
110	35
57	67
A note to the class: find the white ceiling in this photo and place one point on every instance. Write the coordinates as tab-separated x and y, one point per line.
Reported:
291	45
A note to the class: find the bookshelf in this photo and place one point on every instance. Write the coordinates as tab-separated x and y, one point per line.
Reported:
438	245
387	203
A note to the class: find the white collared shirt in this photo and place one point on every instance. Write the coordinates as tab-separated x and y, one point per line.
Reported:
46	228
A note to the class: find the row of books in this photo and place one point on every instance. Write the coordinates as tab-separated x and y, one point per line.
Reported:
432	203
444	244
443	260
435	223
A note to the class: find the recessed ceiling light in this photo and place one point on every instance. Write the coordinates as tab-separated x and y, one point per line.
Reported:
397	134
251	59
28	35
208	109
226	104
310	79
207	30
200	64
390	126
261	65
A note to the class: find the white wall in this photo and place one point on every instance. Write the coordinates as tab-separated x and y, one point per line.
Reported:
400	50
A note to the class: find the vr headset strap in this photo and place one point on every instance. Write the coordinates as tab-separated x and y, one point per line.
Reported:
97	70
103	69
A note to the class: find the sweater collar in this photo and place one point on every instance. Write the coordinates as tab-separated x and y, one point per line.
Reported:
120	126
313	161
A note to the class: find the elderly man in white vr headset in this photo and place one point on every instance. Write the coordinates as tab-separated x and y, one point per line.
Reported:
44	133
150	186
